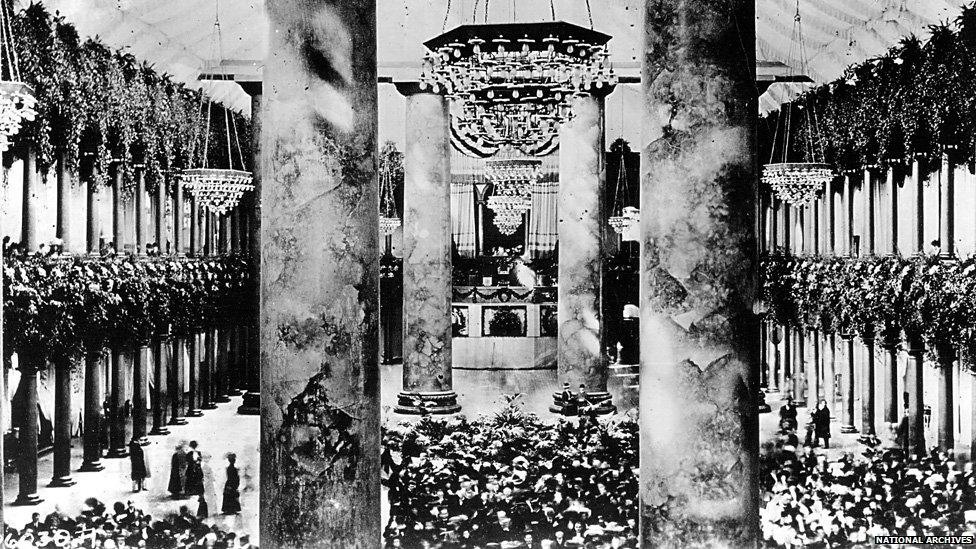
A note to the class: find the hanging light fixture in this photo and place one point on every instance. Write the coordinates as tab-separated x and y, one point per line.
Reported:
512	179
620	221
218	189
17	100
389	165
798	183
515	81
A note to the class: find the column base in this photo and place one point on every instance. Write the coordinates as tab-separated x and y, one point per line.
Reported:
194	413
423	403
116	453
91	467
222	399
600	403
847	429
28	499
209	406
63	481
141	441
156	431
176	421
251	405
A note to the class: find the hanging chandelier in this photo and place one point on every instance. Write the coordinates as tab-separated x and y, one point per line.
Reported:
390	163
622	219
17	100
218	189
515	81
798	183
512	179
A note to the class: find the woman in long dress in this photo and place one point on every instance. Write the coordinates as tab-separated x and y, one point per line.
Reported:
194	471
821	424
177	472
140	467
232	495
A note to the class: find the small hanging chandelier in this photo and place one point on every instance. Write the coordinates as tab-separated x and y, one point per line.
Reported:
512	179
798	183
17	100
218	189
390	163
619	221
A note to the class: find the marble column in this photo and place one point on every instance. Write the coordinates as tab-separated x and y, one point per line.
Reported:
222	366
892	413
582	168
869	194
786	364
867	385
847	398
813	368
919	227
173	386
193	373
31	187
947	209
208	233
846	217
799	368
946	356
829	347
251	401
893	212
62	425
916	402
27	455
427	380
320	278
116	405
92	442
92	221
159	221
118	210
140	210
206	372
140	396
159	352
699	335
179	207
64	219
194	247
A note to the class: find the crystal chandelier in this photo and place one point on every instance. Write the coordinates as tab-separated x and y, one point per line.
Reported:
16	98
619	221
218	189
797	183
515	80
390	162
512	179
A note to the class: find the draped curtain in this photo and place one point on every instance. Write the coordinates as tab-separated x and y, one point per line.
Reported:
462	216
543	217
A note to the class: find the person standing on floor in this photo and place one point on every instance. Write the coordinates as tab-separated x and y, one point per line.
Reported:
177	472
821	424
194	471
203	511
232	495
140	467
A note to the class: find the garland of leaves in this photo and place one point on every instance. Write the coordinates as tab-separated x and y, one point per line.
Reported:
915	101
91	98
925	296
60	308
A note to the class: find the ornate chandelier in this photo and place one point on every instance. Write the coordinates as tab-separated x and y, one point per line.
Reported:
16	98
798	183
620	221
218	189
512	180
515	80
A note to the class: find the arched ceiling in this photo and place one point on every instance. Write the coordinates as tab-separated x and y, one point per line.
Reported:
177	35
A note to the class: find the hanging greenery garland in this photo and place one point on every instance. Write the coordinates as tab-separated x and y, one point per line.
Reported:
917	100
92	98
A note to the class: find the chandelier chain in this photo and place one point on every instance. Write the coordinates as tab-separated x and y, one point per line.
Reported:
589	13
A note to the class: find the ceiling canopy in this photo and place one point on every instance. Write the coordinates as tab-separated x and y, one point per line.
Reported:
177	35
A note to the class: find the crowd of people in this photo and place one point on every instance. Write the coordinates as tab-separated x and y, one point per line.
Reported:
121	527
812	501
512	481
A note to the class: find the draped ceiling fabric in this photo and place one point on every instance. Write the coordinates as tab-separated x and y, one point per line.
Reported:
175	35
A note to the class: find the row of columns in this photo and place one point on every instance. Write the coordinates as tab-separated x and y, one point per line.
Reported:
797	365
859	215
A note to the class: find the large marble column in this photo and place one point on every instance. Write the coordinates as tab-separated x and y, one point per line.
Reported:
427	380
194	247
892	413
916	402
251	401
847	398
92	443
174	388
159	352
64	219
118	209
799	368
62	425
27	441
786	364
159	220
582	175
946	355
947	208
320	405
31	188
179	207
92	221
918	228
193	373
140	395
813	368
141	201
116	405
699	336
867	385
